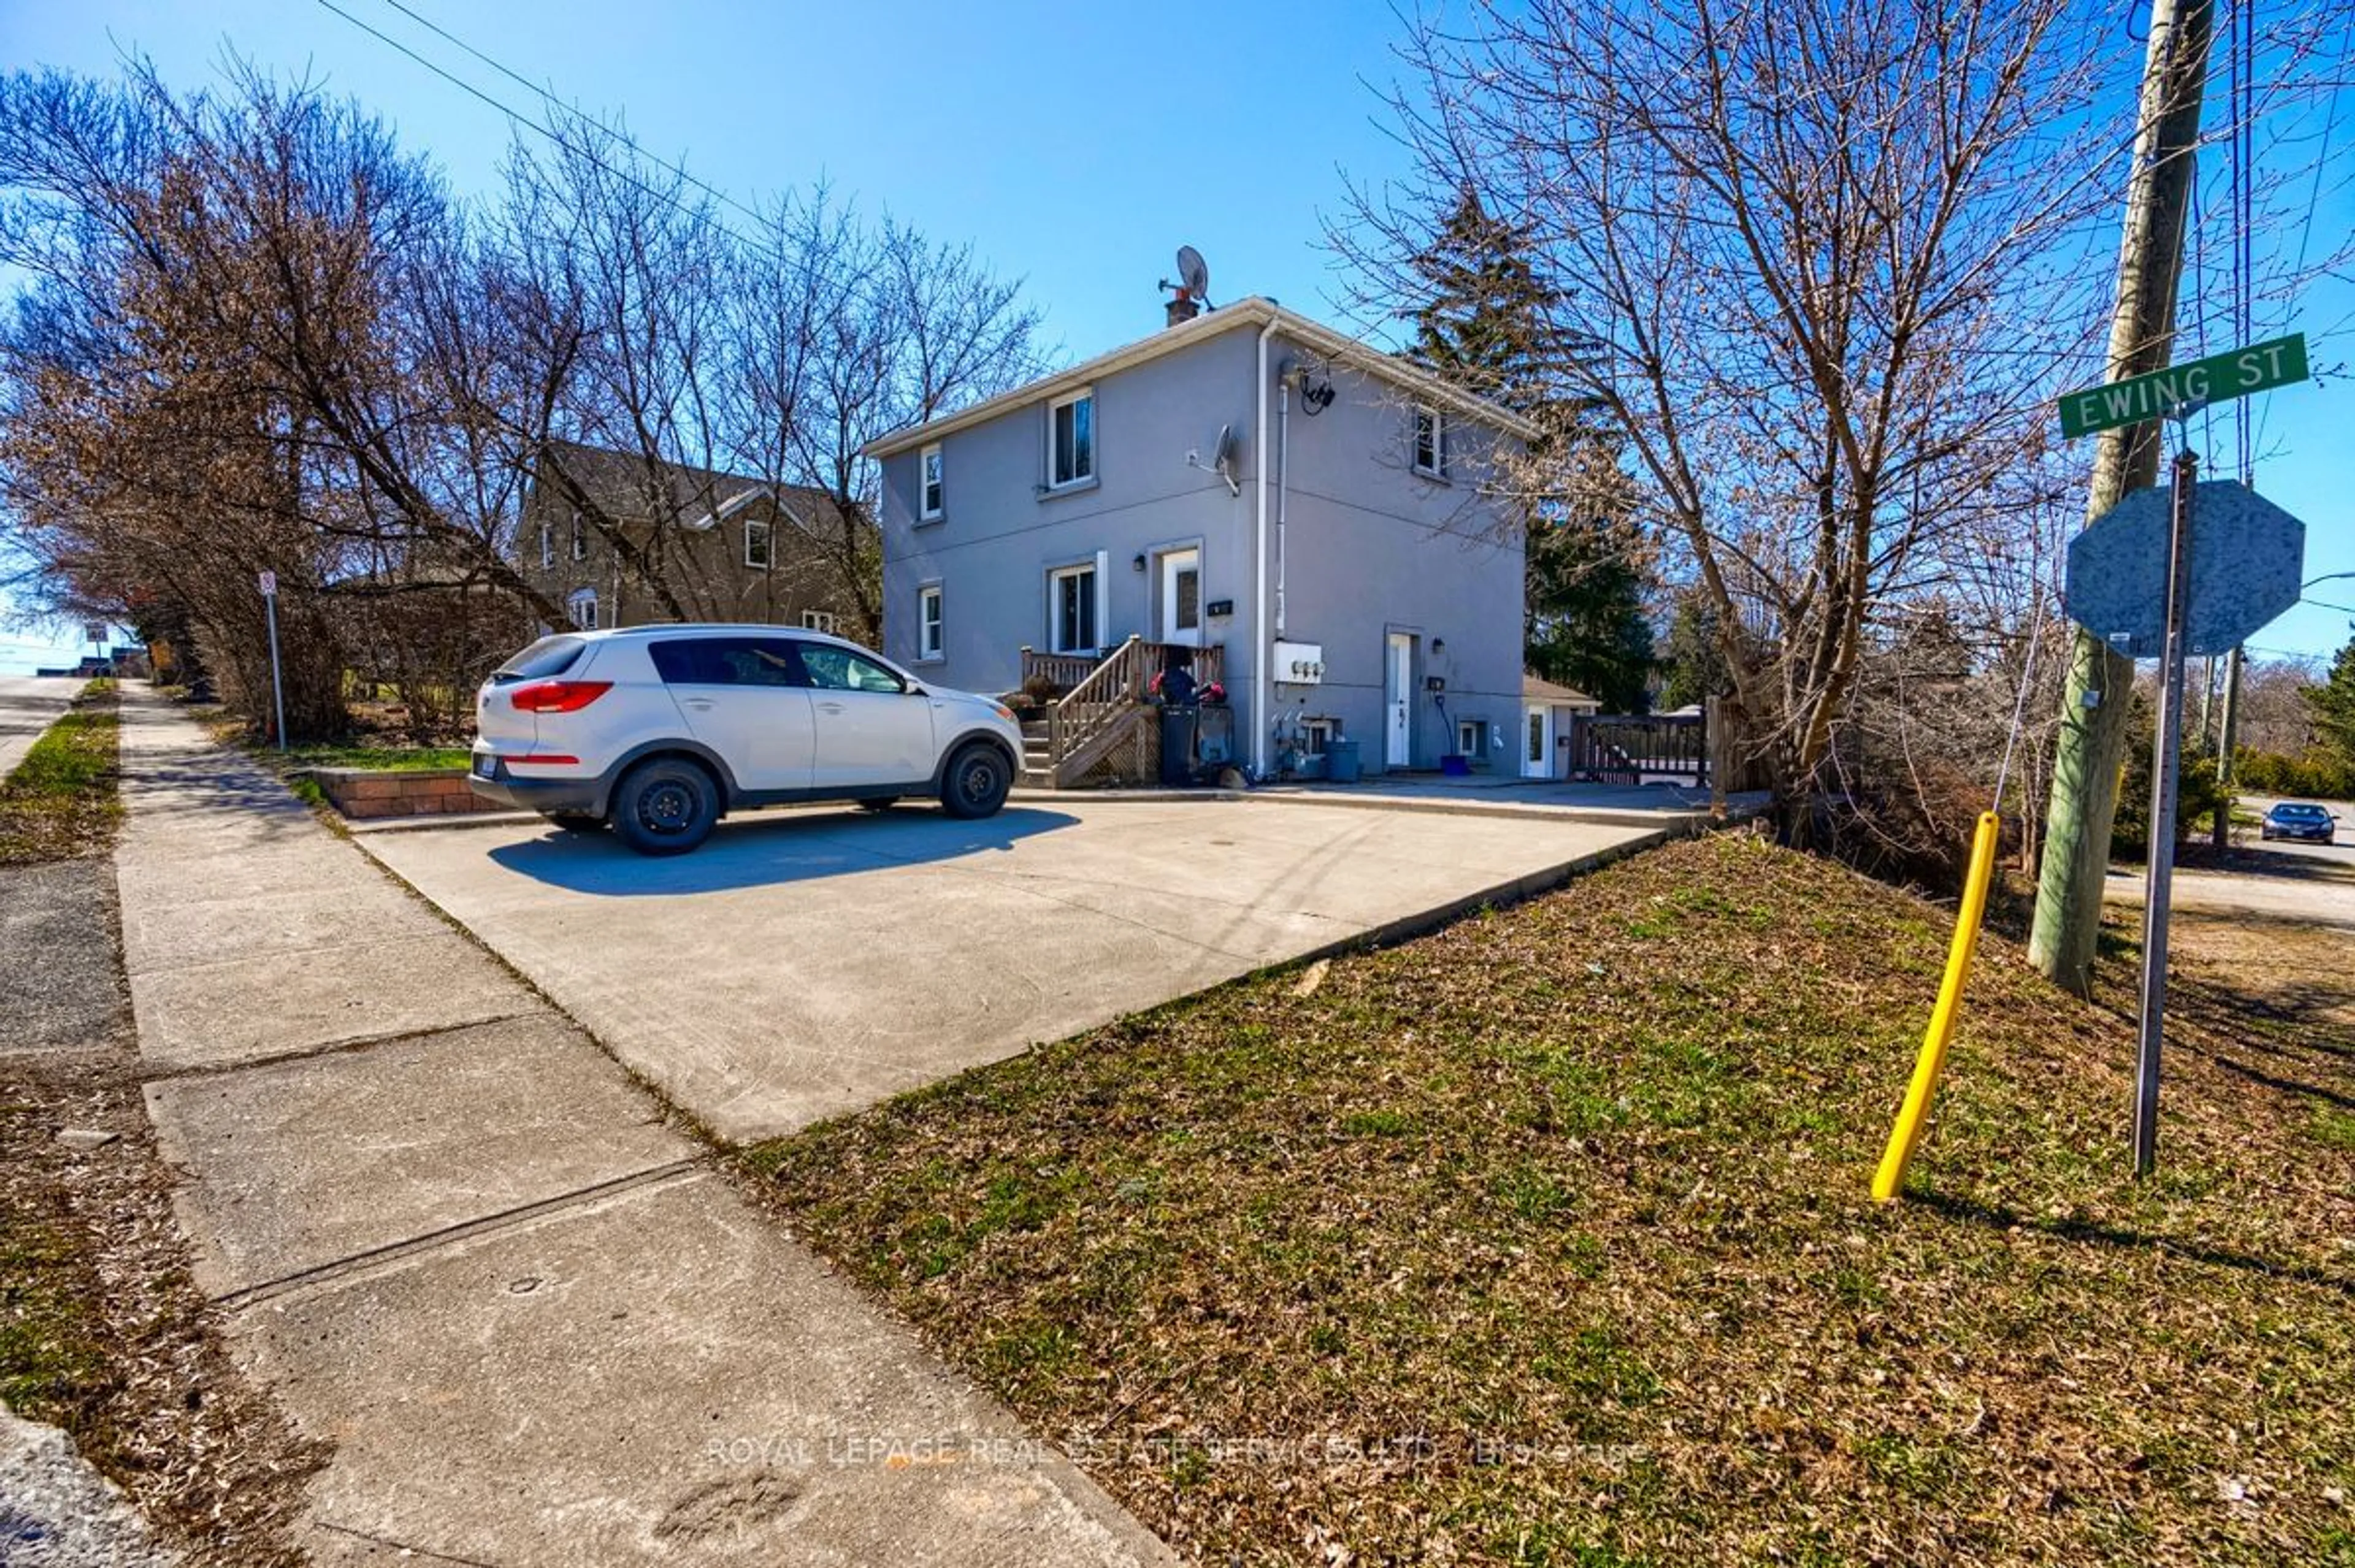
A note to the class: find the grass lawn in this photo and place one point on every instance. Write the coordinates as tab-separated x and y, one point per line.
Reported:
59	800
391	759
1545	1240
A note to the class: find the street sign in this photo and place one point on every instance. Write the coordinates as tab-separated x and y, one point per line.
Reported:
2243	565
268	583
2217	378
94	632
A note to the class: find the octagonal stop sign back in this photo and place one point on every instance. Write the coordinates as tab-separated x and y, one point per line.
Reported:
2245	561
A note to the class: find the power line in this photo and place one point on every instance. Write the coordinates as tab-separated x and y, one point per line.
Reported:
549	98
520	118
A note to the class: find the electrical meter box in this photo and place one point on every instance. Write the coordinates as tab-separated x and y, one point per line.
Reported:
1299	664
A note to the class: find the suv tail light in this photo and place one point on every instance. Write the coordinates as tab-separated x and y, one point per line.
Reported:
558	695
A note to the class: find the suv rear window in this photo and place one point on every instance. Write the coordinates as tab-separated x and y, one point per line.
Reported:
549	656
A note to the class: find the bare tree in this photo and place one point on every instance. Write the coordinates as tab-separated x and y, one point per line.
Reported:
263	374
1805	254
848	330
1823	262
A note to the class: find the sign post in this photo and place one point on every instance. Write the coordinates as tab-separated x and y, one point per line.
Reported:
277	684
2199	577
2159	866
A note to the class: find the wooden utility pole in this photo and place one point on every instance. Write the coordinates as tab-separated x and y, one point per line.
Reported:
2142	336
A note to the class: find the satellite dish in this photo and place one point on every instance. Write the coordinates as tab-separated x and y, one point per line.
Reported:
1222	456
1194	273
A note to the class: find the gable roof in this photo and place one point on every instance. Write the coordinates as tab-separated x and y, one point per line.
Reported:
621	485
1254	311
1535	688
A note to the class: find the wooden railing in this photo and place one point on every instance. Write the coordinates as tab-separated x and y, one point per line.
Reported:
1064	671
1106	698
1627	748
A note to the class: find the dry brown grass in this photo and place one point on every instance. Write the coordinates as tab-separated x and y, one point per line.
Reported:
1544	1240
102	1331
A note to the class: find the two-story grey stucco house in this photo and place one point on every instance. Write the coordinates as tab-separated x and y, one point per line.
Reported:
1323	514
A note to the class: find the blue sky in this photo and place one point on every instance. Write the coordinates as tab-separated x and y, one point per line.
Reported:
1077	146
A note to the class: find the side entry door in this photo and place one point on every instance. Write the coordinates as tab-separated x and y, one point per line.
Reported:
743	698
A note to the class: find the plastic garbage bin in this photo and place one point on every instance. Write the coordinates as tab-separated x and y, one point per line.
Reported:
1341	760
1176	746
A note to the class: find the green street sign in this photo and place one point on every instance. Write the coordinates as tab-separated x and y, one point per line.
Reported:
2217	378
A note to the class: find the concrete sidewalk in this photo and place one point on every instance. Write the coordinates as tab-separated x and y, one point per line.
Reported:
467	1252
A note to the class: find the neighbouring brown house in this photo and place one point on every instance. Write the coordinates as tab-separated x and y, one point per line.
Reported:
620	540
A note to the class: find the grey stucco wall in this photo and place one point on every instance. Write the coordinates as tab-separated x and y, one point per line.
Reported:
1368	546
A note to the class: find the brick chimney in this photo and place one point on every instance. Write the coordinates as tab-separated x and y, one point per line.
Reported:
1182	307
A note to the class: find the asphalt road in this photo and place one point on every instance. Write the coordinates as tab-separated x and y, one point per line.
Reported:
2302	884
28	704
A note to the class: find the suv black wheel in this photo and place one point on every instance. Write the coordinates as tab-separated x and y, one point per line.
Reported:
665	807
575	821
975	781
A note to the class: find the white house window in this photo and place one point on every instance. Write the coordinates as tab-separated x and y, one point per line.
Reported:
1071	440
1430	441
928	472
929	642
580	538
1072	607
1472	738
820	620
1318	735
581	605
756	544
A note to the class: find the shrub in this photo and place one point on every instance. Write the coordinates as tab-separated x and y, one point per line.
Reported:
2315	773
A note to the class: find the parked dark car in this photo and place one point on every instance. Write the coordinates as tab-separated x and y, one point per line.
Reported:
2300	820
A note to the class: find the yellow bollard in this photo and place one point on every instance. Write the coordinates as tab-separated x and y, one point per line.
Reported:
1891	1174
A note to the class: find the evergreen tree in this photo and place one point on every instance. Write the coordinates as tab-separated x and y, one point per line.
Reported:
1489	325
2333	705
1694	663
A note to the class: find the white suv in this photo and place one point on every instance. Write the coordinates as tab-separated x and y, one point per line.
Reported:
659	730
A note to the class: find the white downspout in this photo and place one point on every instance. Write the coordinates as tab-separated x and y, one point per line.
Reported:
1262	646
1282	483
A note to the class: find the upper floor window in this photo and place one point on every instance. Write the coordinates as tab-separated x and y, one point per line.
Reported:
581	604
580	538
929	642
820	620
1430	441
1071	440
756	544
931	492
547	545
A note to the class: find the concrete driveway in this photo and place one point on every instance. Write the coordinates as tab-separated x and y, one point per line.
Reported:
28	705
806	963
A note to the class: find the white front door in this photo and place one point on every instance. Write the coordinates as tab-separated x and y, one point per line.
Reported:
1181	597
1537	744
1397	695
